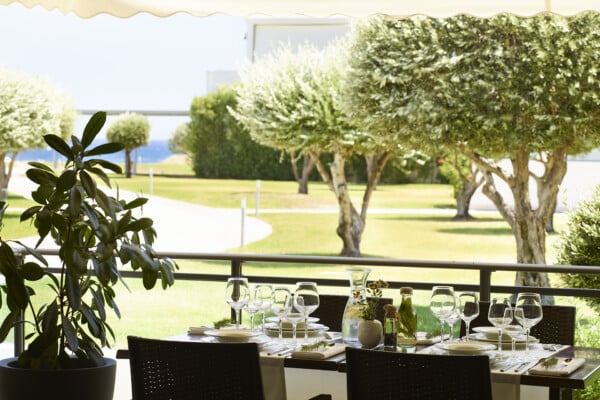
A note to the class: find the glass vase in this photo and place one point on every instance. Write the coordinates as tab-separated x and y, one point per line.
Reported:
352	316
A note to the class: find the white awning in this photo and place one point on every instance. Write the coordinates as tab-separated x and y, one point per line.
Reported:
312	8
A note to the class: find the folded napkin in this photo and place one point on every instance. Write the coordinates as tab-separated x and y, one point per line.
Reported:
326	352
562	366
423	339
199	330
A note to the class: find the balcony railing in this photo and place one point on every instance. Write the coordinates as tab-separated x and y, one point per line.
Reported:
484	286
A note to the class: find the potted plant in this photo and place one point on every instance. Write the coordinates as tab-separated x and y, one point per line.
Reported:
96	234
370	330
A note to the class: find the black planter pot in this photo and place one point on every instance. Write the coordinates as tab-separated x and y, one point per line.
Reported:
97	383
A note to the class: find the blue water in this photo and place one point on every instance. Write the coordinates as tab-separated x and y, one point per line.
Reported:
156	151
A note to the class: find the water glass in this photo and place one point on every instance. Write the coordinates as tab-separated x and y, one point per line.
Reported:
281	305
468	309
306	300
499	317
442	303
531	304
237	295
263	299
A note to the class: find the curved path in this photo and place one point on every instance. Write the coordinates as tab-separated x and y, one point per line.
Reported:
181	226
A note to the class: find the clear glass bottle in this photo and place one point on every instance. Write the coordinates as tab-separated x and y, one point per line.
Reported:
406	340
352	315
390	327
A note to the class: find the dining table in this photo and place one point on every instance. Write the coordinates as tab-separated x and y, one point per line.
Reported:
290	375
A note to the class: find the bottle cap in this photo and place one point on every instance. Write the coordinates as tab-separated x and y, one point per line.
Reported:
406	290
389	307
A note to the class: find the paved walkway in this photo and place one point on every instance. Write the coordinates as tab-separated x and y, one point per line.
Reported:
181	226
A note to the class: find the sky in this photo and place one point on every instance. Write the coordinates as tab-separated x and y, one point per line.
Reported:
139	63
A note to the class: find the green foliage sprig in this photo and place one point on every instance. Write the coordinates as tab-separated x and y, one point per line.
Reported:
368	306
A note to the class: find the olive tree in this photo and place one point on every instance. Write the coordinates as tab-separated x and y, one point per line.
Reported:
178	140
292	101
500	88
131	129
30	107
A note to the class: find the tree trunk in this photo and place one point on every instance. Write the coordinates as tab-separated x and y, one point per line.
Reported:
350	225
6	173
528	224
308	164
127	163
463	200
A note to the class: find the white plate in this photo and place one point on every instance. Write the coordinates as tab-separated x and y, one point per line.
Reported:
299	327
491	332
485	338
465	348
232	335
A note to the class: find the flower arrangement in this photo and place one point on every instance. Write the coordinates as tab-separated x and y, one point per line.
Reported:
368	306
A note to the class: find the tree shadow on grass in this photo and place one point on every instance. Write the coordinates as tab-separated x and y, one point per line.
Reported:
478	231
431	218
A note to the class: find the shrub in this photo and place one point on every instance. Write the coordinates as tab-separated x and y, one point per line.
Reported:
580	245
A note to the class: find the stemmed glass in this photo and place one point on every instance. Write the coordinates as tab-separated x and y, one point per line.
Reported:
531	304
442	303
263	299
515	330
468	309
252	307
306	301
293	316
498	317
236	295
281	305
451	320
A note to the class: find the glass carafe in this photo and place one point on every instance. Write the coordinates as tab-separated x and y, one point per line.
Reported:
352	315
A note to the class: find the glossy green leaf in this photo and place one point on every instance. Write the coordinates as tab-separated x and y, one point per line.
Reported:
106	165
92	128
101	174
91	320
139	224
41	177
149	278
15	287
88	183
8	323
106	148
40	165
135	203
30	212
73	290
66	180
31	271
59	145
70	334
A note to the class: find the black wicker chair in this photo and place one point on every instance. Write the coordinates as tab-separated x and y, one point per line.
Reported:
556	326
163	369
375	374
331	310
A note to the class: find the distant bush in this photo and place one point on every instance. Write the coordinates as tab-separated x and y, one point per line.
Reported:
220	149
580	245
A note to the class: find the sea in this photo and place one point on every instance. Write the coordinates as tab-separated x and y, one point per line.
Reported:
155	151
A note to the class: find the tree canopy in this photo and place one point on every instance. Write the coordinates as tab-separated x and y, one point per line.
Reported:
497	88
30	107
133	131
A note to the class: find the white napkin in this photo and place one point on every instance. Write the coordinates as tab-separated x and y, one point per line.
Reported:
199	330
562	367
326	352
423	339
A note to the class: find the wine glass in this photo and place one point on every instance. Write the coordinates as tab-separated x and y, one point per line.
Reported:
531	304
236	295
281	305
252	307
442	303
498	317
306	301
263	299
293	316
451	320
468	309
514	331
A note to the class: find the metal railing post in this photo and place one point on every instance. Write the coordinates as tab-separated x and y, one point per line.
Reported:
485	284
236	272
19	328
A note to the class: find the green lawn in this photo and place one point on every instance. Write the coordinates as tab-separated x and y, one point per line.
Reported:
161	313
